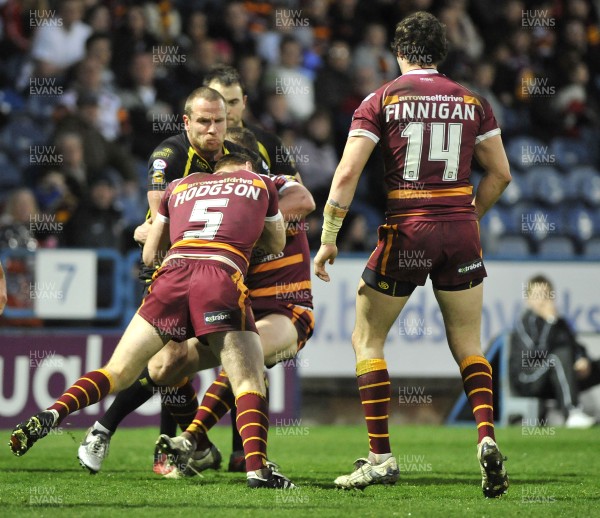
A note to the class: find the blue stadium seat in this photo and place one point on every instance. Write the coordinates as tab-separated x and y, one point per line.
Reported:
575	178
10	174
546	185
590	190
525	152
591	249
580	223
556	247
20	135
569	152
513	246
498	220
538	222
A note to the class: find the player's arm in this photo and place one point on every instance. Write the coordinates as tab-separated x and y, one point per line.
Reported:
272	239
154	198
491	156
157	243
296	202
3	292
356	153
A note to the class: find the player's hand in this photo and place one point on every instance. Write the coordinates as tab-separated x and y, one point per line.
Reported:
140	234
327	253
583	368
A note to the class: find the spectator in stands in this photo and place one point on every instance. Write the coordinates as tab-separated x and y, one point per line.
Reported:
196	29
374	52
291	81
546	360
572	103
251	70
276	116
316	158
99	47
98	18
54	196
164	21
347	22
61	43
98	222
99	155
236	29
356	237
132	38
89	82
17	223
334	80
483	79
69	145
146	101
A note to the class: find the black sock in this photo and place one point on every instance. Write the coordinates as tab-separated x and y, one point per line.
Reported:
168	425
128	400
236	439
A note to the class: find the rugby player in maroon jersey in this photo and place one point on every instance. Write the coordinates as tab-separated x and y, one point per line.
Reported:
428	128
212	223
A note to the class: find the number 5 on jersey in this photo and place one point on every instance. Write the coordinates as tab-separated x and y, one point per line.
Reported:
213	219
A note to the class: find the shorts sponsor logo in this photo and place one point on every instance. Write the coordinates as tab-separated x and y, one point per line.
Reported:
383	285
469	267
216	317
159	164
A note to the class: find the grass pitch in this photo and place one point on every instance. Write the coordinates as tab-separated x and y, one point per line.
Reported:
553	472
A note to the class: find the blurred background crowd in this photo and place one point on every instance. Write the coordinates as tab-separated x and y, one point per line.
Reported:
89	88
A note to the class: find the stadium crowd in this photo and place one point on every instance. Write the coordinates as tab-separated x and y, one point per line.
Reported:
89	88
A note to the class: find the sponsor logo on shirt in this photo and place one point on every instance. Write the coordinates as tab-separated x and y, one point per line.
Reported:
158	177
469	267
159	164
216	317
165	153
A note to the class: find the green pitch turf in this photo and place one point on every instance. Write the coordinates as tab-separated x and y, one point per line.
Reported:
553	472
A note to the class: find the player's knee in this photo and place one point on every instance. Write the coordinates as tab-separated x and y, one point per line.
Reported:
122	375
164	368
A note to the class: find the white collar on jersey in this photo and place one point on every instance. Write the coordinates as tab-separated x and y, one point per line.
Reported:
422	71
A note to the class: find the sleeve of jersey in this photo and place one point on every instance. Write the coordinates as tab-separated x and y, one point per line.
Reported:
283	182
273	213
162	160
365	121
489	125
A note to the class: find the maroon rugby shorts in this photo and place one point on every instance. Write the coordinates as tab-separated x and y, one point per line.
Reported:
196	297
449	252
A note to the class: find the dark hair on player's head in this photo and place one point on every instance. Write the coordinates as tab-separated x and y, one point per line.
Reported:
420	38
239	159
208	94
245	138
538	281
224	75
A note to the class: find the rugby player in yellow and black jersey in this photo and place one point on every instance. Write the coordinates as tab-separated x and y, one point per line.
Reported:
226	80
195	150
